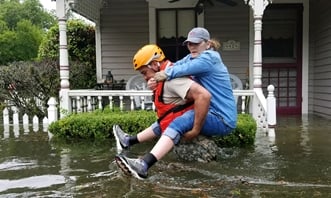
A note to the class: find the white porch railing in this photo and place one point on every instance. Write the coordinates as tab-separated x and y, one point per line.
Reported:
249	101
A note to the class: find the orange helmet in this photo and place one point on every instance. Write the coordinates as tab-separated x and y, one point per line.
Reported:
147	54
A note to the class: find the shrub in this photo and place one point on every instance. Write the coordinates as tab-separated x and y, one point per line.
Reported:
243	135
98	126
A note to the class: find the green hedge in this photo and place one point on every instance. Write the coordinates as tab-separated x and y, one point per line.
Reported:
98	125
243	135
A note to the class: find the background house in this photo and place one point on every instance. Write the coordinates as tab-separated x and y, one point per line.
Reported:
296	41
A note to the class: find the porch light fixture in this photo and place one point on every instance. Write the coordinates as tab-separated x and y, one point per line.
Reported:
246	1
109	78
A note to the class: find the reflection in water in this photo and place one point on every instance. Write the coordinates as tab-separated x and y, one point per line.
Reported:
305	140
33	182
16	129
35	127
295	162
65	171
17	164
26	129
6	131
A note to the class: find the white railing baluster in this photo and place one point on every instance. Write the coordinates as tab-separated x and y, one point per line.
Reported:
131	103
111	103
243	104
100	102
142	99
121	103
79	104
89	104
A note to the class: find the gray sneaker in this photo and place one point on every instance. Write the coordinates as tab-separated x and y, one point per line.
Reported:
122	139
132	167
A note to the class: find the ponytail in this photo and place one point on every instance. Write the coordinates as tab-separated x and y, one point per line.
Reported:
214	44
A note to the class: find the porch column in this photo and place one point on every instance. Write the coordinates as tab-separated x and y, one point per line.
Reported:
258	7
61	12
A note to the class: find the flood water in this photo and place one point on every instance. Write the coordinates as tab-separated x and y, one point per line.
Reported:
296	162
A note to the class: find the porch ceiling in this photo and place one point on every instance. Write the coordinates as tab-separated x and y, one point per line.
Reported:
88	8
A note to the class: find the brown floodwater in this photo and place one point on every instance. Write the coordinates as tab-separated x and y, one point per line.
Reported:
293	162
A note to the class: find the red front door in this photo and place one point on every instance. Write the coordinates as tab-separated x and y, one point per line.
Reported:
282	55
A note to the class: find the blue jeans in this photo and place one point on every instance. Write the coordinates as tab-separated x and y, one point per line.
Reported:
213	126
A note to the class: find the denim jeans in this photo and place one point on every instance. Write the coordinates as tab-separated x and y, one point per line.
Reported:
213	126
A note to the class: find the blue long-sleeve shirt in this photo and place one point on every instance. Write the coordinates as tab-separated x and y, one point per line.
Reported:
209	71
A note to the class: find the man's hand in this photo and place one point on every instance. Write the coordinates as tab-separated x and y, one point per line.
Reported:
151	83
160	76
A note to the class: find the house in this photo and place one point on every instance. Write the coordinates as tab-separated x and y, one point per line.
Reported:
284	43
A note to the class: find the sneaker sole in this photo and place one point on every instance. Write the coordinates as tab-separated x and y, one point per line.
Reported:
124	166
119	147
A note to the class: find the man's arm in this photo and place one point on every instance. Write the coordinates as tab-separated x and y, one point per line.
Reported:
201	98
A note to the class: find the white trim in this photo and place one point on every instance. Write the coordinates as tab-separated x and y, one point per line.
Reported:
98	53
305	57
251	47
305	50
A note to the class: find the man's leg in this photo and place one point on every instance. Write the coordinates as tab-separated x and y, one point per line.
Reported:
170	137
139	167
124	140
162	147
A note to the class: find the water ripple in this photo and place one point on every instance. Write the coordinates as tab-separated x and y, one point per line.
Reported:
17	164
34	182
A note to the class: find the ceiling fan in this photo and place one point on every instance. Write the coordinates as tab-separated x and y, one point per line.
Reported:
227	2
199	7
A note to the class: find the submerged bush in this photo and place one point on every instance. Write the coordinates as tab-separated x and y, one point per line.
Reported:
98	125
243	135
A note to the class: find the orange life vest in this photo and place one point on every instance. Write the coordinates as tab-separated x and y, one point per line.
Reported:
167	112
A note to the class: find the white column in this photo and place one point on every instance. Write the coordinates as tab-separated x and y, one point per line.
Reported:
61	12
258	7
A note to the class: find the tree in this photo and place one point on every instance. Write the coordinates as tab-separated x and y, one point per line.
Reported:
29	85
81	50
22	26
12	11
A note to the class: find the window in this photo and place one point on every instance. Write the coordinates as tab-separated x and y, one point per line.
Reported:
172	28
279	36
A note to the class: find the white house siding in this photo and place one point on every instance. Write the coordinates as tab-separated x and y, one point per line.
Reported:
119	40
320	55
231	23
124	29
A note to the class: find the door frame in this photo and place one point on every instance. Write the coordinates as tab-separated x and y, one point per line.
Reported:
305	50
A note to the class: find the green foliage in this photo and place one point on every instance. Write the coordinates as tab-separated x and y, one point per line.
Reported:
81	42
25	82
28	39
243	135
22	26
81	51
7	47
12	12
98	125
